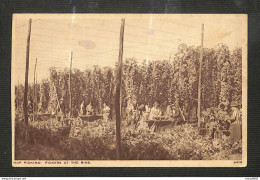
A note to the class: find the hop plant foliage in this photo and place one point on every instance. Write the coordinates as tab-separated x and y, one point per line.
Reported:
162	80
151	80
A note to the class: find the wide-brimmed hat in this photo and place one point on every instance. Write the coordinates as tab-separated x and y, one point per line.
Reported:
234	104
221	106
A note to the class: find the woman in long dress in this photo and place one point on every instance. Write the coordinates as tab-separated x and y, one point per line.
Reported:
236	122
155	112
145	116
82	109
106	111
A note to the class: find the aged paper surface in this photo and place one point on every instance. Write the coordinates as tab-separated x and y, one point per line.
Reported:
172	67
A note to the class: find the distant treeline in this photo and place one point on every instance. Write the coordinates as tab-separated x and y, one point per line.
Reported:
170	80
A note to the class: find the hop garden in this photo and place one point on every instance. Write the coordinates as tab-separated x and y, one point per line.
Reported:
146	82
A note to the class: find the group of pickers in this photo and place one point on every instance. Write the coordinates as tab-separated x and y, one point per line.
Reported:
154	117
226	119
89	111
62	111
84	110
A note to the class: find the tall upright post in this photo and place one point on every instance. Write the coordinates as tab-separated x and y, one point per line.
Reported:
25	101
70	84
18	91
118	92
170	81
199	85
36	99
34	89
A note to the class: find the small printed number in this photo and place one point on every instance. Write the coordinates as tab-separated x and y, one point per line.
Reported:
237	162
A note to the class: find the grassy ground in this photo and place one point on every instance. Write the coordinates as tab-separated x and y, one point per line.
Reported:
51	140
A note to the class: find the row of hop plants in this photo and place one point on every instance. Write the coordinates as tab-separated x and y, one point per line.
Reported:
164	80
145	82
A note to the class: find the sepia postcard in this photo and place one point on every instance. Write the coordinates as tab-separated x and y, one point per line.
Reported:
129	90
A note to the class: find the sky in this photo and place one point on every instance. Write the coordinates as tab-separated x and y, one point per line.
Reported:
93	39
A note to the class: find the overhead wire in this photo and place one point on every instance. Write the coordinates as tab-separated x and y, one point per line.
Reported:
56	59
26	24
89	27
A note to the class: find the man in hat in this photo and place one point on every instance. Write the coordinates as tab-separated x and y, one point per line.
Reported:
169	111
186	110
62	106
236	122
222	117
176	114
141	109
61	109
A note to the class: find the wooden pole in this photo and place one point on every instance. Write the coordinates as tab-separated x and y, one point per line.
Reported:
18	94
118	90
170	83
36	99
41	95
199	85
70	85
25	101
34	89
56	93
